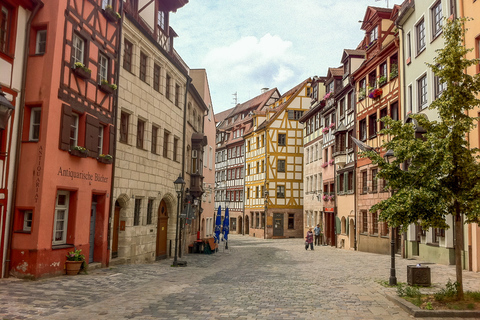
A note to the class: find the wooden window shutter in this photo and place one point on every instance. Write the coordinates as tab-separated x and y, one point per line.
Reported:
91	135
65	127
111	142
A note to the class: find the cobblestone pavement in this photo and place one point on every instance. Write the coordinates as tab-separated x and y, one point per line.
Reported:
254	279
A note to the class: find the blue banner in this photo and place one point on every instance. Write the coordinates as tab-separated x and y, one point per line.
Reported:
218	224
226	225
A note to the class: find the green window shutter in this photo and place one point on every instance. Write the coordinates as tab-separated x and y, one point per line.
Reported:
347	226
338	225
345	182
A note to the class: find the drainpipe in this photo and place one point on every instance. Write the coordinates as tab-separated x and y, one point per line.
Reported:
266	184
115	121
20	116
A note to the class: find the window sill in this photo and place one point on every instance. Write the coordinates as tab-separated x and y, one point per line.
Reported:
420	52
436	36
62	246
23	231
372	136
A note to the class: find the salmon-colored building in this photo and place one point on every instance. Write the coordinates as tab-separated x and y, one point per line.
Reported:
64	186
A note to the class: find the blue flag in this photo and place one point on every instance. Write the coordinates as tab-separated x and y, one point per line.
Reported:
226	225
218	224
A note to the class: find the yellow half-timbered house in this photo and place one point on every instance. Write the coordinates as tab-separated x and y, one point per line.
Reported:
274	167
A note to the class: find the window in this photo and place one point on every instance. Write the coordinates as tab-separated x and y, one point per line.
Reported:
372	125
409	47
410	98
349	139
281	166
124	119
363	129
156	77
374	180
342	108
436	19
5	28
27	220
420	29
372	79
439	86
364	182
106	3
149	211
394	110
34	132
282	137
143	66
375	222
177	97
161	19
154	139
167	86
41	41
102	68
422	92
383	113
136	212
294	115
291	221
382	79
373	34
350	181
78	48
74	131
175	149
364	222
166	136
61	217
127	55
140	133
280	191
101	129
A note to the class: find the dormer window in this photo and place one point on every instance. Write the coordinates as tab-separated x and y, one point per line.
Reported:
161	19
373	35
345	68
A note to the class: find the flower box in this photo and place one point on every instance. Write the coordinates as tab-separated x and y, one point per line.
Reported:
111	15
82	72
331	162
105	158
78	152
376	94
107	88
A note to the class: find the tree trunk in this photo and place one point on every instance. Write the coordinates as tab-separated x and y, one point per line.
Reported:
458	249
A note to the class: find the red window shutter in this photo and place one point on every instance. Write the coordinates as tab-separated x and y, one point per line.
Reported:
65	127
111	142
91	135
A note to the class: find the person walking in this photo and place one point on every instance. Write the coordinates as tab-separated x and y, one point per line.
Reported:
309	239
318	232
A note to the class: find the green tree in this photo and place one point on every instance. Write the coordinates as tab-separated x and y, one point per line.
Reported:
436	174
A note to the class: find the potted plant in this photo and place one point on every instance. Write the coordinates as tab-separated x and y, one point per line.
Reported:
331	162
393	71
111	14
107	87
382	80
376	94
332	125
75	262
81	71
78	151
325	130
105	158
324	165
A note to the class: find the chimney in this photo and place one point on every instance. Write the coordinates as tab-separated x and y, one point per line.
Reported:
264	90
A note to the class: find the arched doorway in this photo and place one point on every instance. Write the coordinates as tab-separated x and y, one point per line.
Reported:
162	228
351	234
239	225
247	224
116	229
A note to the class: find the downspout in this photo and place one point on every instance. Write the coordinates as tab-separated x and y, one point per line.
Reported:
18	146
115	121
266	185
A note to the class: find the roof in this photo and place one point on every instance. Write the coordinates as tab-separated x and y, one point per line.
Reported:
219	117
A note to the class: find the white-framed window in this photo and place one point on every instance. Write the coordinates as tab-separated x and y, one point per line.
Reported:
161	19
41	42
78	49
74	131
101	129
61	217
34	132
27	220
102	68
106	3
374	34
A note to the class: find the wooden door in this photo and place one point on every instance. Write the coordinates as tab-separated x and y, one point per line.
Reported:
278	224
116	229
162	228
93	217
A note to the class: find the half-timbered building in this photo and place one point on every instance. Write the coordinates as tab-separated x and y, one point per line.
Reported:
69	103
274	167
377	86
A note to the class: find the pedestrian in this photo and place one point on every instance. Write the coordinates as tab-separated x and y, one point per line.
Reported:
318	232
309	239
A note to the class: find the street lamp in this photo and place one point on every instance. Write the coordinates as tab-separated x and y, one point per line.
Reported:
6	109
388	156
179	185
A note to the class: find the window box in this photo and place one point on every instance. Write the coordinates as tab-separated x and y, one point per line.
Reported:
107	87
78	151
81	71
105	158
110	14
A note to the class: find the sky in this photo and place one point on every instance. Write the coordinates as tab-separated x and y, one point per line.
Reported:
247	45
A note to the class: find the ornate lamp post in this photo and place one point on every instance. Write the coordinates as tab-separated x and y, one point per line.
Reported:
179	185
388	156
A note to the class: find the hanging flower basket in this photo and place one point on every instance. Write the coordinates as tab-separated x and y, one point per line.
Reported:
376	94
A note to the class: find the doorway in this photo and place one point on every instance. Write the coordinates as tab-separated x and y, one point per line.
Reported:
278	224
162	228
116	229
93	217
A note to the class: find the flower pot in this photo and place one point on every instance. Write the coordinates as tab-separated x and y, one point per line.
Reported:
81	73
73	267
78	153
110	14
104	160
105	87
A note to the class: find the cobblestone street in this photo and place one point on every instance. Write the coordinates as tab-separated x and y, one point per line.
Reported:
254	279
